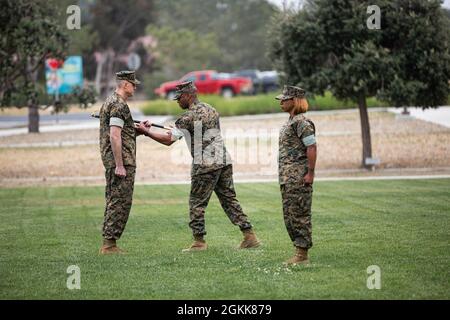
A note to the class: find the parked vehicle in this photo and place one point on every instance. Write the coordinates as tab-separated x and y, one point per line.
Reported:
209	82
263	81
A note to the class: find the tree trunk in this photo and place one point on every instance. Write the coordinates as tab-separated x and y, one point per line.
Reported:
100	59
405	111
33	107
109	70
365	131
33	118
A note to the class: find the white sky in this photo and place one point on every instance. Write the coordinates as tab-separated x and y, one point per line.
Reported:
279	3
297	2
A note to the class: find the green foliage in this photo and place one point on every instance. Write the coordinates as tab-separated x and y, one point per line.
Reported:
417	35
81	41
355	224
29	36
329	102
120	22
33	31
108	25
447	13
328	46
84	97
240	26
226	107
181	51
259	104
153	80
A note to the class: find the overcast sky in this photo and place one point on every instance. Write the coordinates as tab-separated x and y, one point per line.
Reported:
297	2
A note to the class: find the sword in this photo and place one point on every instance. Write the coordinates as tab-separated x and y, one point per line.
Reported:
96	115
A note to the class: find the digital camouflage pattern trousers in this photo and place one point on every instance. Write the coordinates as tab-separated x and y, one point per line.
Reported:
202	186
297	200
119	196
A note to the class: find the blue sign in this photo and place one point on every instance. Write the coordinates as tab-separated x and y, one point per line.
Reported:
65	79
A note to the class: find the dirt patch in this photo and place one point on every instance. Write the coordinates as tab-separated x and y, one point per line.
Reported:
398	143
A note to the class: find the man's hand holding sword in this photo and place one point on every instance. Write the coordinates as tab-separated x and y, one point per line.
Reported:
167	138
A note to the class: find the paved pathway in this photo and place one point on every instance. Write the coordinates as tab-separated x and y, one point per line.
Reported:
439	115
77	121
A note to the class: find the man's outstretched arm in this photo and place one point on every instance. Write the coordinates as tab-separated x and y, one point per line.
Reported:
163	138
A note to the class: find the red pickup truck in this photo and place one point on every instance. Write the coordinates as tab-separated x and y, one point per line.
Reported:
209	82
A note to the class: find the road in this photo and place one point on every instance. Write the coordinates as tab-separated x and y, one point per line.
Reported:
15	125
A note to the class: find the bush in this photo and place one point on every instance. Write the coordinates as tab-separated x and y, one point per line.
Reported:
328	102
151	81
259	104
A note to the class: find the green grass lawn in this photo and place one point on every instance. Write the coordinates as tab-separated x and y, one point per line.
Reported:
401	226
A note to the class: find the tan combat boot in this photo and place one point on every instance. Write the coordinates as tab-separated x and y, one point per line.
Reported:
199	244
110	247
300	257
250	240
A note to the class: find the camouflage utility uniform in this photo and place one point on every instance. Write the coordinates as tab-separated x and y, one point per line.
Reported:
295	136
211	167
119	191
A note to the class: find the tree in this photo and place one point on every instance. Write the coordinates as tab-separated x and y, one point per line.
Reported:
118	24
328	46
80	41
32	32
29	36
180	51
240	27
177	52
417	34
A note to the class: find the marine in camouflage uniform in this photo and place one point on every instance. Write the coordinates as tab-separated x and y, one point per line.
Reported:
119	190
211	167
211	170
296	136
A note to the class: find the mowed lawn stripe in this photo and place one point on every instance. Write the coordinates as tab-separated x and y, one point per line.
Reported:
402	226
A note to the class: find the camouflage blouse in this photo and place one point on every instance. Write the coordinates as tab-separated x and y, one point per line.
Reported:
201	128
295	136
115	112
